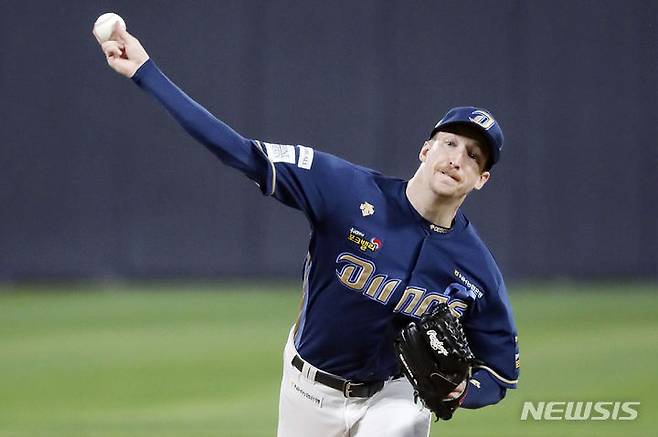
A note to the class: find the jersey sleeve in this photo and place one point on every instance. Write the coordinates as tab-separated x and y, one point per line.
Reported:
307	179
298	176
492	336
229	146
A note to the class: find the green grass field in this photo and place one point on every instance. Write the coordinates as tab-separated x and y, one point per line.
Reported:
202	360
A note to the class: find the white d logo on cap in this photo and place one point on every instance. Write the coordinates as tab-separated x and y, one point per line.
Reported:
483	118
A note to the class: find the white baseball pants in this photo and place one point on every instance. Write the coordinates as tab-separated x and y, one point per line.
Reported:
308	408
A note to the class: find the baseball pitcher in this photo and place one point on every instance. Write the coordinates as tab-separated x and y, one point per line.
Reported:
405	314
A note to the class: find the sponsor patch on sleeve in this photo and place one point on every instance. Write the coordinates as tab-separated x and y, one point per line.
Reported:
280	152
305	157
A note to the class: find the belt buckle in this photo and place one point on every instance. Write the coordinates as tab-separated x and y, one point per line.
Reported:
349	386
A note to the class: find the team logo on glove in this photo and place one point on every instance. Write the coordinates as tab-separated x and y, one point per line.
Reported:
435	343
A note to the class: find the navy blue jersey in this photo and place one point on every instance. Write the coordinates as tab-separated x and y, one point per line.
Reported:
373	262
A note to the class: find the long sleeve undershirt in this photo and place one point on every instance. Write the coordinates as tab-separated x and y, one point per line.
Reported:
229	146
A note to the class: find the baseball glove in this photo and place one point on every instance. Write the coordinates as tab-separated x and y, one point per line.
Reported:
435	357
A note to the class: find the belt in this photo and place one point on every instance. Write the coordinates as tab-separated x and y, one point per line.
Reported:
350	389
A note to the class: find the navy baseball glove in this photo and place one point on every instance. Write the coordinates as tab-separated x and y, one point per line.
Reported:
435	357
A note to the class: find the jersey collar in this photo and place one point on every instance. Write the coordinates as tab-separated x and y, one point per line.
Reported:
458	224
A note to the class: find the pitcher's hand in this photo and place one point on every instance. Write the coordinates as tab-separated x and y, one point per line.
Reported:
123	51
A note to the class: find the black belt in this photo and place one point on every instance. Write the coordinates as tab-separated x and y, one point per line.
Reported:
350	389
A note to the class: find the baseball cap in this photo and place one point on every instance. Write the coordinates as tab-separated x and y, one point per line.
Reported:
482	120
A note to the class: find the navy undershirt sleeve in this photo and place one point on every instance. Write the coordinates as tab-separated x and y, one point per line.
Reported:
229	146
484	391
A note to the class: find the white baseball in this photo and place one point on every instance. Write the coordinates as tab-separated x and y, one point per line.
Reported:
105	23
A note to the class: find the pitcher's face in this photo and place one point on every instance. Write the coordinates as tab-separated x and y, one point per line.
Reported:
453	163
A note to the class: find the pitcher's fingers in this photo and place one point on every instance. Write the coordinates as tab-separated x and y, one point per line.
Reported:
112	48
119	33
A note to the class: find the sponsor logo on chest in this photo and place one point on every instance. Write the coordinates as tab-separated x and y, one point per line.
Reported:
363	242
470	285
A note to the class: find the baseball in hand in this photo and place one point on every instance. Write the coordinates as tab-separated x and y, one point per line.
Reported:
104	25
